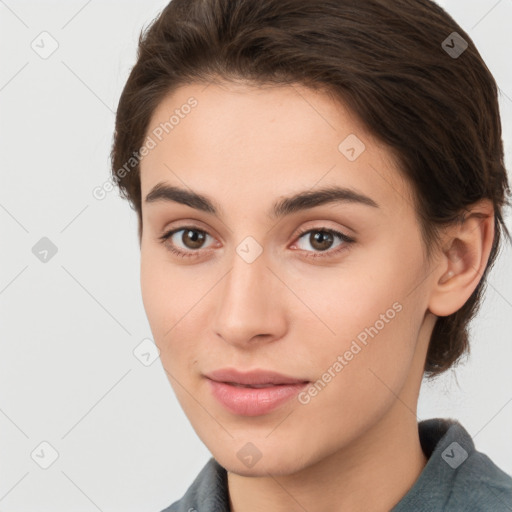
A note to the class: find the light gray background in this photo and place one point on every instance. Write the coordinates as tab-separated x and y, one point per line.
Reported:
68	375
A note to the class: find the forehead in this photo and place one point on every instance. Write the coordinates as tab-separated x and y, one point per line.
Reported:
237	138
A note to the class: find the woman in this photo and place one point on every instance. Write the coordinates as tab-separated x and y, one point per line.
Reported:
319	188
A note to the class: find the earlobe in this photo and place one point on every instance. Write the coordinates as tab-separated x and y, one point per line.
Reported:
463	260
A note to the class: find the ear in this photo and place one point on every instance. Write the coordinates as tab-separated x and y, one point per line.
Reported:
466	248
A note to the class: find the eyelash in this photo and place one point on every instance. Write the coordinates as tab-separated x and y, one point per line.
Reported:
323	254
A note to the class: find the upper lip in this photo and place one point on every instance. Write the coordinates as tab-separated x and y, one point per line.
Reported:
253	377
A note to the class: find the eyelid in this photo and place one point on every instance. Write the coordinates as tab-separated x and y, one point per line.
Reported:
324	225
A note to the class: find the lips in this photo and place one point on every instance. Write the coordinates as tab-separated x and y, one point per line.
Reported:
246	400
253	393
253	379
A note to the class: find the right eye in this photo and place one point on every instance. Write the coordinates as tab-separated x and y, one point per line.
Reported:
191	239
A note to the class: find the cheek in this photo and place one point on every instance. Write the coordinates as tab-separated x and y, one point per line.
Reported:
163	296
370	328
173	300
155	292
374	312
164	292
361	370
351	299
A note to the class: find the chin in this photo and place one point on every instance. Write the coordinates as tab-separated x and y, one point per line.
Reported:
274	463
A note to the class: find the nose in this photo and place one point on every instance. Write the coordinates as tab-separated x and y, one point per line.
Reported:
250	304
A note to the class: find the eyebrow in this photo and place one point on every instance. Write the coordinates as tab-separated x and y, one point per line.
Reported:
285	206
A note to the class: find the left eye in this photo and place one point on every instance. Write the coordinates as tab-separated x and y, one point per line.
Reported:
321	239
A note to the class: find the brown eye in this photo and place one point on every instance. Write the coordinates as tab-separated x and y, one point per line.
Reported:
192	238
188	244
321	240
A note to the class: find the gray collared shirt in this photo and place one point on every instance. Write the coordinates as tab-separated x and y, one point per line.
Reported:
456	478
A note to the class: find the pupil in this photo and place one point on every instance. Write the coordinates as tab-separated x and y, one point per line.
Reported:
321	237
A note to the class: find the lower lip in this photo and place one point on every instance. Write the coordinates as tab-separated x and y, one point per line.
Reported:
253	401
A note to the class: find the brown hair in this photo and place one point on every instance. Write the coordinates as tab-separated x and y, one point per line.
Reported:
387	60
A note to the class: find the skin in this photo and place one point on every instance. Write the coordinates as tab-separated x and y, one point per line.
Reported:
355	445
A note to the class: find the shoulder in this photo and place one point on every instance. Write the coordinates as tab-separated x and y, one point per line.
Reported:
207	493
480	485
457	477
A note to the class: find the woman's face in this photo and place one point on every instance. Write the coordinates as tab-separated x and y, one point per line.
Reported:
260	287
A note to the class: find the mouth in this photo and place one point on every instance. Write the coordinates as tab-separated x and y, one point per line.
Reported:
253	393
